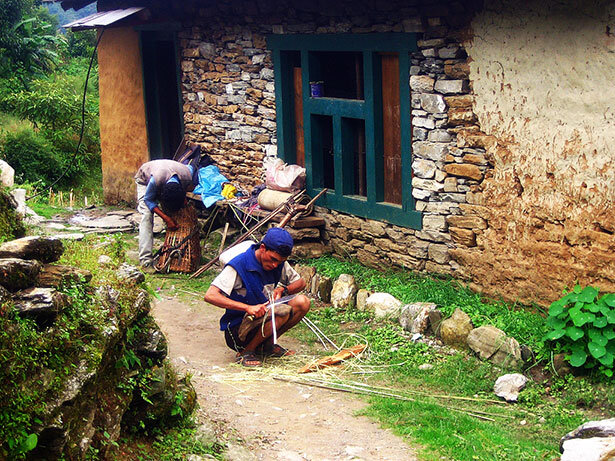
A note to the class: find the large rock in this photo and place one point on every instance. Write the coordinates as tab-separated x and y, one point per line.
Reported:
150	342
492	344
509	386
362	296
415	317
594	449
594	440
43	249
7	174
602	428
344	292
129	273
17	274
307	273
308	250
454	330
39	302
54	275
383	305
321	287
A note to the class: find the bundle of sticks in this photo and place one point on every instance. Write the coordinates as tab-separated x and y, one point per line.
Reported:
181	251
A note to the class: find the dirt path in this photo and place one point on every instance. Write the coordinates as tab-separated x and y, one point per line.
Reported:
277	420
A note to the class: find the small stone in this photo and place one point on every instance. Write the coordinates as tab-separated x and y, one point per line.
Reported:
362	296
105	261
508	386
130	273
383	305
344	291
426	366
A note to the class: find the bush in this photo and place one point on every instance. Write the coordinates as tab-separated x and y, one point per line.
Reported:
11	225
583	326
32	156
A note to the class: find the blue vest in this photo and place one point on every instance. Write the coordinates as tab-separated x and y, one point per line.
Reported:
254	279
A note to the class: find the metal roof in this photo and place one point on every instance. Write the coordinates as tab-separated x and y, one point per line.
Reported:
102	18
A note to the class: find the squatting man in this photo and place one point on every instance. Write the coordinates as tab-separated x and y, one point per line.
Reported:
244	288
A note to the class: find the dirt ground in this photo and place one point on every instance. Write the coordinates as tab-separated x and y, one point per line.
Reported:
277	420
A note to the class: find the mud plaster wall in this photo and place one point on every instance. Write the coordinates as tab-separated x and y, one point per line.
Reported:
123	135
543	87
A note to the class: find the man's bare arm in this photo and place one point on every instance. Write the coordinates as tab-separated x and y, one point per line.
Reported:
216	297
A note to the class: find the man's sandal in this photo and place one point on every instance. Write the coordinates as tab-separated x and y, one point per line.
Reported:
248	359
276	350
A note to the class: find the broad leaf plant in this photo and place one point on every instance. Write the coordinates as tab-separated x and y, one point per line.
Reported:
582	325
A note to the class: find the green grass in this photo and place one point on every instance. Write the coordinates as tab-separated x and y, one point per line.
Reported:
530	429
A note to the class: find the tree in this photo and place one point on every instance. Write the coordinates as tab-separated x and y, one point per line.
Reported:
29	45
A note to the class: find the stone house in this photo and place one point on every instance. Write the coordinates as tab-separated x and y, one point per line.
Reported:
466	138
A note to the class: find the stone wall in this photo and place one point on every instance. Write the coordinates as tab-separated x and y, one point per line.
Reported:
229	107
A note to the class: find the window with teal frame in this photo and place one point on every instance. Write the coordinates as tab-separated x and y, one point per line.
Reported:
343	111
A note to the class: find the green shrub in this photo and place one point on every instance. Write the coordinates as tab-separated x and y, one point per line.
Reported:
31	155
11	225
582	325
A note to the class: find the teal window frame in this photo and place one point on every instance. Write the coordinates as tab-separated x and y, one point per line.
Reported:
369	110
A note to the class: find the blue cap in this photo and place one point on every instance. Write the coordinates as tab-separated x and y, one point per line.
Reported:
278	240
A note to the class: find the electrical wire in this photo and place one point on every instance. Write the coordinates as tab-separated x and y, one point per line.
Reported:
85	90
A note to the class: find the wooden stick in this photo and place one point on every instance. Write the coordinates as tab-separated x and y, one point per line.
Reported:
223	238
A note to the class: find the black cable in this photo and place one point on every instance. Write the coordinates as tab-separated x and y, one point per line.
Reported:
85	90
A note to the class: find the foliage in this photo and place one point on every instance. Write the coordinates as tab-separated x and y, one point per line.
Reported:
32	156
11	225
53	106
582	325
31	47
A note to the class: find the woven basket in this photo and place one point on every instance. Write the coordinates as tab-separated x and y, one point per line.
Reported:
175	255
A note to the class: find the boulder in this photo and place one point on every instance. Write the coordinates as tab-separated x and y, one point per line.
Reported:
150	342
509	386
54	275
594	449
17	274
44	249
129	273
306	273
383	305
492	344
321	287
594	440
362	296
602	428
39	303
455	329
7	174
344	291
415	317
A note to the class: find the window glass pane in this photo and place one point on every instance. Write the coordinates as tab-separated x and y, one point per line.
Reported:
391	131
355	175
341	74
322	151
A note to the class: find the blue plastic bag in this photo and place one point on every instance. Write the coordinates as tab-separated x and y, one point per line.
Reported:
210	185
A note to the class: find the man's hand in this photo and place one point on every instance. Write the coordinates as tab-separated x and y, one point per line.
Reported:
171	224
257	310
277	293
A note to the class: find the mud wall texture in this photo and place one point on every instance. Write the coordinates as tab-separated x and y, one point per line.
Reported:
123	135
542	82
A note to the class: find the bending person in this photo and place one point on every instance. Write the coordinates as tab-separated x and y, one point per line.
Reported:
243	289
163	182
